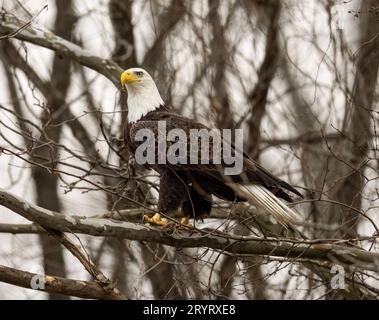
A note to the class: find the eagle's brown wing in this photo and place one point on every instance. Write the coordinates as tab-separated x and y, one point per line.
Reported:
210	177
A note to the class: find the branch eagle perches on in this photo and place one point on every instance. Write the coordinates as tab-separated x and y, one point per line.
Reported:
294	250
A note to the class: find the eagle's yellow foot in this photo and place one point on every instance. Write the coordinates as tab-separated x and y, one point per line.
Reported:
184	223
156	219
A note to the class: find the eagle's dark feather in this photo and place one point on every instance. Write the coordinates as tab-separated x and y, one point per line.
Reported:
191	186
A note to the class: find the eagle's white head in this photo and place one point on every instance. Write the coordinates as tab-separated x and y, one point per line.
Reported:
143	94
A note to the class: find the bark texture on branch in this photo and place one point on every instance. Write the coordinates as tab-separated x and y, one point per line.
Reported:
289	249
56	285
10	24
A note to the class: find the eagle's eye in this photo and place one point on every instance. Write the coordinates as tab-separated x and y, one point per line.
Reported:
139	73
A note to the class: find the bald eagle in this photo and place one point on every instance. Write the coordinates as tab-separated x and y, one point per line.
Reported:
191	188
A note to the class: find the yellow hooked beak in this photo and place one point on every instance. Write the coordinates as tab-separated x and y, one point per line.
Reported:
128	77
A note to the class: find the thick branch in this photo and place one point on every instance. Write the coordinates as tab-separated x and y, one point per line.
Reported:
77	288
290	249
21	228
10	24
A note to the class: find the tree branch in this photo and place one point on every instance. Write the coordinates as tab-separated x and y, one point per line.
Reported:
287	248
10	24
21	228
77	288
90	266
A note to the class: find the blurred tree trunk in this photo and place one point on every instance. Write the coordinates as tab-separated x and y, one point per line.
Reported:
258	97
46	182
218	61
335	169
347	167
165	22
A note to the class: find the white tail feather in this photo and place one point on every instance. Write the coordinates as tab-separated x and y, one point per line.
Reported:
268	202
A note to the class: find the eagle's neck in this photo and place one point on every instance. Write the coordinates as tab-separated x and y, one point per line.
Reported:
142	99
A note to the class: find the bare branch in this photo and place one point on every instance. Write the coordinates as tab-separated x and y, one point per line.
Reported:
76	288
42	37
290	249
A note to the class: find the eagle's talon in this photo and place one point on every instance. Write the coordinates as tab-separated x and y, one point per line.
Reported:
155	219
158	221
184	223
